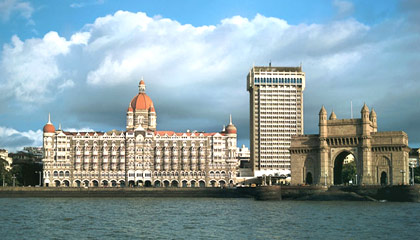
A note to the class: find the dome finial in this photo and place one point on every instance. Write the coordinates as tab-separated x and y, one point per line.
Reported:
59	126
230	119
142	86
49	118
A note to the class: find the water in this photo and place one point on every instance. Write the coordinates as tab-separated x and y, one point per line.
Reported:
189	218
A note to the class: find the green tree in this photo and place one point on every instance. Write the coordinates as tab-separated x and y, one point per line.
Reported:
349	172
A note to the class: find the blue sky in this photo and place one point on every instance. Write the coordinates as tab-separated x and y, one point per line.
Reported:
82	60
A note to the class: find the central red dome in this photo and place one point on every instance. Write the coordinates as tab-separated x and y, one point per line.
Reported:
141	102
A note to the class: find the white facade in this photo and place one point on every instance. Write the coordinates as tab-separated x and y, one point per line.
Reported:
141	155
4	154
276	114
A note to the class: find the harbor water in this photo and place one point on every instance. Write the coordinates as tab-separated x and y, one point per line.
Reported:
204	218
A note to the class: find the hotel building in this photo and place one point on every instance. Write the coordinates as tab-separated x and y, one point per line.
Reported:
276	114
140	155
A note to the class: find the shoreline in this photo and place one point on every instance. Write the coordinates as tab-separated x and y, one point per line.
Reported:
296	193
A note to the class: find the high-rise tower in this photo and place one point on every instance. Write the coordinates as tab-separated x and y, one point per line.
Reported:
276	114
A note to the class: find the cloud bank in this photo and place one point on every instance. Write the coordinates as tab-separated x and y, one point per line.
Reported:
196	75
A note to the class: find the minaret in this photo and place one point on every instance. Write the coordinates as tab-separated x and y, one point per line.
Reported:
365	119
323	122
325	172
366	177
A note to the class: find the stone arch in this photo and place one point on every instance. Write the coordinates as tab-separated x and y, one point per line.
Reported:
193	183
95	183
309	178
166	183
157	183
202	184
213	183
184	183
222	183
383	170
86	183
338	163
308	167
105	183
66	183
147	183
174	183
57	183
78	183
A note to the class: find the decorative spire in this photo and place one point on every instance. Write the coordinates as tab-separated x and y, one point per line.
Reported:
142	86
230	119
365	108
49	118
323	111
59	126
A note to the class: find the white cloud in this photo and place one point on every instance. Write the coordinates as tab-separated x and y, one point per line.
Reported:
85	129
344	8
10	7
13	140
196	74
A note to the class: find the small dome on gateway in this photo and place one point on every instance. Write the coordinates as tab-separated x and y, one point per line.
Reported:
333	116
49	127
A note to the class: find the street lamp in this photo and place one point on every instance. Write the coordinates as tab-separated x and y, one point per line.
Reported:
402	176
40	172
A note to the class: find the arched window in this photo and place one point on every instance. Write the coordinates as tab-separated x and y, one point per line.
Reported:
55	174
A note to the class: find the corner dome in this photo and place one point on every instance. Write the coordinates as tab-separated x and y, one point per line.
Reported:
49	128
231	129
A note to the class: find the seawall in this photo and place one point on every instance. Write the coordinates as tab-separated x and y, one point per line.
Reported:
307	193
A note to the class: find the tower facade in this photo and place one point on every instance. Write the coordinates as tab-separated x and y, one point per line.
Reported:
276	114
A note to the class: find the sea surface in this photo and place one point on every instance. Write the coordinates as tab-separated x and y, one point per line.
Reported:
204	218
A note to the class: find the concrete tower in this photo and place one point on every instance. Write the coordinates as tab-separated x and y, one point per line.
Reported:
276	114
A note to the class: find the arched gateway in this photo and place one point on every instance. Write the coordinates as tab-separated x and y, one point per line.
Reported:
350	151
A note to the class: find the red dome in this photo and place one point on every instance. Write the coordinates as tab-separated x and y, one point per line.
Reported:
152	109
49	128
130	109
231	129
141	102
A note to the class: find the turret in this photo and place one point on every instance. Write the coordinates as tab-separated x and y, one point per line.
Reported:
333	116
365	119
323	122
373	119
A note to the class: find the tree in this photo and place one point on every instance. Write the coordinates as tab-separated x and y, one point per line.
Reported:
349	172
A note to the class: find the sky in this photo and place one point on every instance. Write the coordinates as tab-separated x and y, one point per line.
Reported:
81	61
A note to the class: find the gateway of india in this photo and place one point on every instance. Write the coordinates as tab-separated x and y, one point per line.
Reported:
381	158
140	155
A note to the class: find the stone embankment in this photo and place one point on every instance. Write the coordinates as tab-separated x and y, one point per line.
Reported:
302	193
